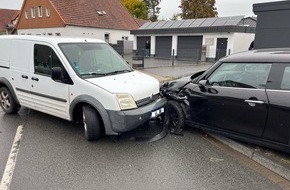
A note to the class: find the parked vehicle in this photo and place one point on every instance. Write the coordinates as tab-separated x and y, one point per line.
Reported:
245	96
77	79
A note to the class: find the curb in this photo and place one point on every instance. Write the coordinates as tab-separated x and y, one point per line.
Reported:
256	156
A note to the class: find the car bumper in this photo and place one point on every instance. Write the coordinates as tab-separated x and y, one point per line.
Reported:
123	121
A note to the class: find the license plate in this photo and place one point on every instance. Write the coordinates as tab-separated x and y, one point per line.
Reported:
156	113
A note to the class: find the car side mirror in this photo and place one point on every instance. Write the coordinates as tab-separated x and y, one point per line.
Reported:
56	74
196	74
202	85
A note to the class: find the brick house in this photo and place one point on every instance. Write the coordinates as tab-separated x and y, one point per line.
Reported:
108	20
8	20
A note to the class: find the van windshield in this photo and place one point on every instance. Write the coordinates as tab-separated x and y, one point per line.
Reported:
94	59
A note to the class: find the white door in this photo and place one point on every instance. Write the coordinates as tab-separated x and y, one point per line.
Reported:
21	59
49	96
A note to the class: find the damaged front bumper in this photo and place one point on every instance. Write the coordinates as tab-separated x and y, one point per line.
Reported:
123	121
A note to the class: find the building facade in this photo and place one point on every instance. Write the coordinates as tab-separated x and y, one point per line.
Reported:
203	39
273	26
107	20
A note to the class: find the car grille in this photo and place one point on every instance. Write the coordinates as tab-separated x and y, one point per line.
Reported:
147	100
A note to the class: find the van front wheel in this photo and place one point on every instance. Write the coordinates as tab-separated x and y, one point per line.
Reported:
91	123
7	101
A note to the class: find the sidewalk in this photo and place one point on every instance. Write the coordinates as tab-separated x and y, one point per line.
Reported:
163	73
276	161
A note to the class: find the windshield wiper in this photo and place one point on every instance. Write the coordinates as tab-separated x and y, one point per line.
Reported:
117	72
92	74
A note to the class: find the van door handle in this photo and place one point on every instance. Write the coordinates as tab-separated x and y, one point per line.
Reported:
24	76
254	101
34	78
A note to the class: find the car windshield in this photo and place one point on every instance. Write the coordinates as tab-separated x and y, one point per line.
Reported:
94	59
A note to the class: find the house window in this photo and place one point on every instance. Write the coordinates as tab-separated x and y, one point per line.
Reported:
47	10
58	34
107	38
125	38
39	11
32	12
50	34
26	14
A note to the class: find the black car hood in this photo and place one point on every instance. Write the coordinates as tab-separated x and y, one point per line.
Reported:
176	85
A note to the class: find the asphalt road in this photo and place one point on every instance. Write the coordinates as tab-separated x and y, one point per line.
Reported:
54	154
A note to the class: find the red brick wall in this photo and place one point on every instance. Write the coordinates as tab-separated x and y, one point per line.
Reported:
54	20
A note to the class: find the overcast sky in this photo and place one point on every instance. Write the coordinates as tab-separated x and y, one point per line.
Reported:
169	7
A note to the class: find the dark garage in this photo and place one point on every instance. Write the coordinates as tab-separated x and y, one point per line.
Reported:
189	47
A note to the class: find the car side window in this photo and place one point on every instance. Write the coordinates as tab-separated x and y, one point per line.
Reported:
45	59
241	75
285	84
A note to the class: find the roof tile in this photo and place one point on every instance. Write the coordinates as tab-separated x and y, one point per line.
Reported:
6	16
84	13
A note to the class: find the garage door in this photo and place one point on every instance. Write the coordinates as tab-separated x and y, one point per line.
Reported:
189	47
141	41
163	46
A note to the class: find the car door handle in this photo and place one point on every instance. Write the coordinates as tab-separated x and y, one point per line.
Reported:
24	76
34	78
254	101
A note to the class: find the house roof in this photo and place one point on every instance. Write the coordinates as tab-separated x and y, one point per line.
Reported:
214	24
193	23
141	21
248	21
6	16
95	13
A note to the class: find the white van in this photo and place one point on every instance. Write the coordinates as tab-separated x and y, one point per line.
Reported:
77	79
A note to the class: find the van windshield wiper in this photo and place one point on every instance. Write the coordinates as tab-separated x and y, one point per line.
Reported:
117	72
92	74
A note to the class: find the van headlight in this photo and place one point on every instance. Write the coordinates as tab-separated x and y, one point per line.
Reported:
126	101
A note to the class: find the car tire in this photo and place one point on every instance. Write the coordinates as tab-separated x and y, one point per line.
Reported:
7	101
176	117
91	123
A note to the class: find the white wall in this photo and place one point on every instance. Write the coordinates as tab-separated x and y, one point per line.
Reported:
98	33
210	41
242	41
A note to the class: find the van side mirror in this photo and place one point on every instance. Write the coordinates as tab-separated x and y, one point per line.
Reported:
56	74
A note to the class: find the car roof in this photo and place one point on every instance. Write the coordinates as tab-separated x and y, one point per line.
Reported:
52	39
260	55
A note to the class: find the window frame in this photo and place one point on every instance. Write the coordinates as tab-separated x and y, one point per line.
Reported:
47	12
276	76
107	37
32	10
26	14
39	10
227	82
51	54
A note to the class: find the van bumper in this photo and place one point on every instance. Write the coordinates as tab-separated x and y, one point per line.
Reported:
122	121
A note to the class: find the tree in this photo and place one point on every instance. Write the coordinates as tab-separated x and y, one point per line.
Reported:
175	16
197	9
152	9
137	8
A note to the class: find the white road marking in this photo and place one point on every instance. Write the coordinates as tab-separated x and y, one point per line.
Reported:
10	165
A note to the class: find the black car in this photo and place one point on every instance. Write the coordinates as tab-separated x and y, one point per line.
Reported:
245	96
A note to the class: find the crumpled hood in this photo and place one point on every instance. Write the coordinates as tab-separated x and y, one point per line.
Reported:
137	84
176	85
